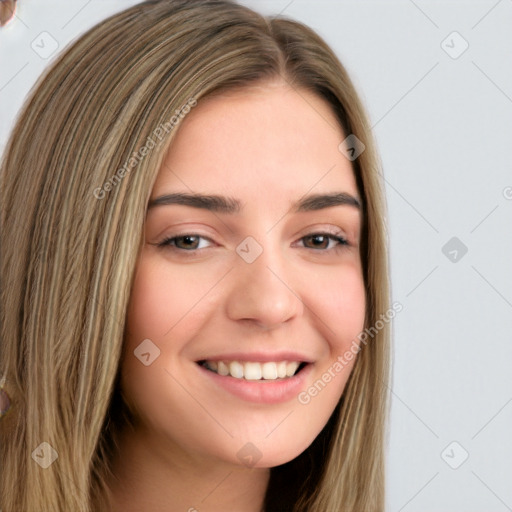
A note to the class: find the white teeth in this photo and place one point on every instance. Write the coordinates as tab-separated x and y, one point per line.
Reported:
281	369
222	369
269	371
236	369
291	368
254	371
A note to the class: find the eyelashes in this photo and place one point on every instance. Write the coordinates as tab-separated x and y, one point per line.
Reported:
193	243
189	239
325	237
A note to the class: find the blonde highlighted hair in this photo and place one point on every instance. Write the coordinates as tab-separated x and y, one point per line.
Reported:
68	256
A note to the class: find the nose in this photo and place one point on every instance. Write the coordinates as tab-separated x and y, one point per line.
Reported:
262	292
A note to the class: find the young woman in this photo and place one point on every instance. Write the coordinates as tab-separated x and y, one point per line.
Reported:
194	273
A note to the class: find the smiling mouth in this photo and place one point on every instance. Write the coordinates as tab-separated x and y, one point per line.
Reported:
250	370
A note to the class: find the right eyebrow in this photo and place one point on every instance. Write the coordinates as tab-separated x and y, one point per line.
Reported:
213	203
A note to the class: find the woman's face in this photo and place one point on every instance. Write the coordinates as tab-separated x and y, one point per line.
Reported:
249	286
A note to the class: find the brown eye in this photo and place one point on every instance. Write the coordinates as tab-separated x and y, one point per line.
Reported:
187	242
322	241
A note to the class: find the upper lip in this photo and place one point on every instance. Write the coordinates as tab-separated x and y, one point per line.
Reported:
259	357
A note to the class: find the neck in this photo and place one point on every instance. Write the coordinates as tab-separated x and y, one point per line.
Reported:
152	474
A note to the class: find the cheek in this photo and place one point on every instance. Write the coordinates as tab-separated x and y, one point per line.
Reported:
163	300
340	301
149	297
165	308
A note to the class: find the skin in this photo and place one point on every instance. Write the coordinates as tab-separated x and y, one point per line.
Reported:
267	146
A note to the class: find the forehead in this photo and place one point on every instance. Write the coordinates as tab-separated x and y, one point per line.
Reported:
269	138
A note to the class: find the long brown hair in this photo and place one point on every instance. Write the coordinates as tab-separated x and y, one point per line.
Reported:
72	227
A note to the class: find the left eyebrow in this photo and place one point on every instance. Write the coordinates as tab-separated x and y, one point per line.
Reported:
321	201
222	204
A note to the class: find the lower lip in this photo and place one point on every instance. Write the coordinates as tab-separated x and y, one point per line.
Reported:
261	391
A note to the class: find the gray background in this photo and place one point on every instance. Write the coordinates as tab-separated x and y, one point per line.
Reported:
443	123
